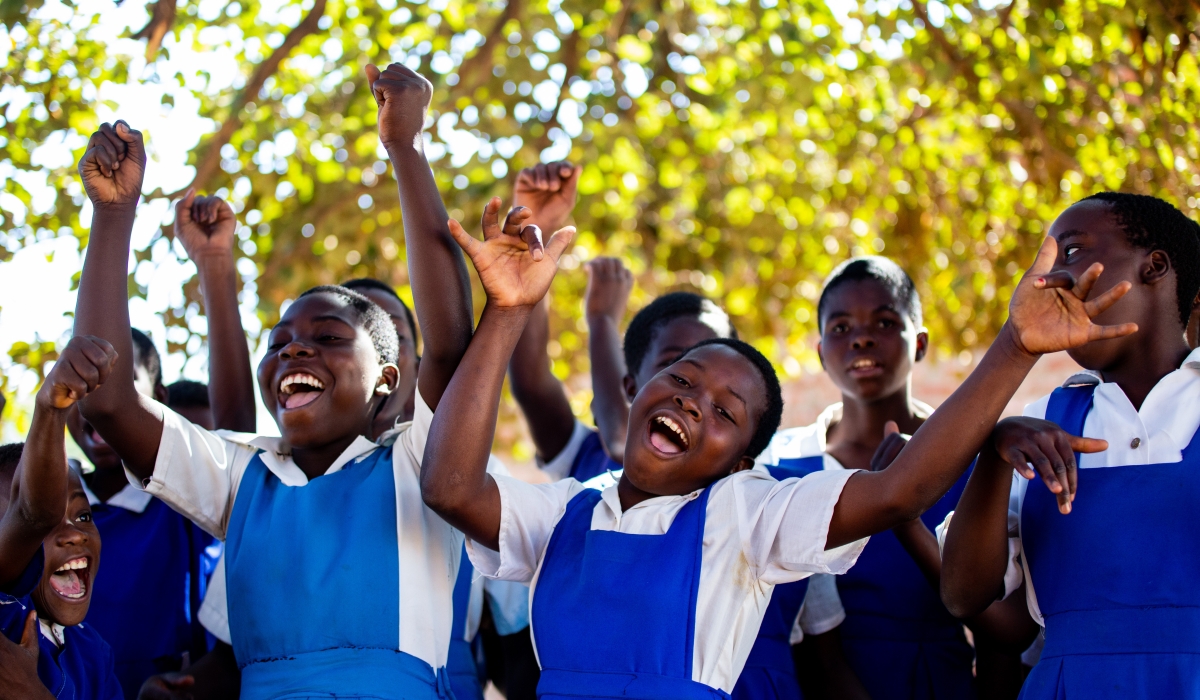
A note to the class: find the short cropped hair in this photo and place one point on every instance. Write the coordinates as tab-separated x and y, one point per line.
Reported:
187	394
768	422
879	269
374	320
369	283
1152	224
658	313
145	355
10	457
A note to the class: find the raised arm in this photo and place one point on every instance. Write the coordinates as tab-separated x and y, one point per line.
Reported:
516	272
112	170
1048	313
609	285
549	192
205	226
441	287
39	491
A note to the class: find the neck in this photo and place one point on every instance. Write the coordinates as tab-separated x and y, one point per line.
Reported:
315	461
629	494
861	423
106	483
1147	362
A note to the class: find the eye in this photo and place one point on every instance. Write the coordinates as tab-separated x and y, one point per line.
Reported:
840	328
725	414
84	517
886	323
680	380
1070	251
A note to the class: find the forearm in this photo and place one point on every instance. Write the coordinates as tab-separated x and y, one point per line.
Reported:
975	555
609	405
39	496
230	376
454	478
127	422
922	546
938	454
538	392
437	273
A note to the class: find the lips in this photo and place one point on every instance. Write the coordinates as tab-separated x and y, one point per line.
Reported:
70	581
865	367
299	389
667	436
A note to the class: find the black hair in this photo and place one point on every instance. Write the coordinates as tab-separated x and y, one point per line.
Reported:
879	269
146	356
10	457
1151	224
658	313
369	283
187	394
768	422
375	320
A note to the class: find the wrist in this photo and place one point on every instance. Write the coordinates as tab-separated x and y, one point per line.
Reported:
1009	341
211	262
412	148
121	210
601	318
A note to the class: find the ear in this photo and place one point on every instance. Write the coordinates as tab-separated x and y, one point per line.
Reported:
820	355
630	385
1156	268
160	393
389	377
922	345
743	464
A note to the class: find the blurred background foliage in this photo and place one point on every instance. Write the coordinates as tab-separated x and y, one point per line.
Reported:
741	148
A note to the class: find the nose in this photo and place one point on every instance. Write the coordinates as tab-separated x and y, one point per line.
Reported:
295	349
68	534
863	341
688	406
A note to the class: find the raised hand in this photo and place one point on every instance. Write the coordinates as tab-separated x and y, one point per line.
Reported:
608	288
113	166
514	265
550	190
204	225
1050	311
1050	449
402	96
82	367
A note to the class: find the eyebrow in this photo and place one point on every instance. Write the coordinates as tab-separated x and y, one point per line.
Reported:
729	389
1068	235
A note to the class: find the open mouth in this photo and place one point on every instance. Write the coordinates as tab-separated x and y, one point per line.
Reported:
71	579
865	367
299	389
667	436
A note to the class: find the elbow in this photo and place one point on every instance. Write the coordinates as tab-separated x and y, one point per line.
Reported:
39	519
965	596
439	496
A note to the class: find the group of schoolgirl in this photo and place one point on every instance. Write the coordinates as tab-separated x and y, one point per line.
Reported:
683	576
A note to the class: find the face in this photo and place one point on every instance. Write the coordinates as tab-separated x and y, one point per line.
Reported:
72	559
868	341
400	403
691	424
1088	233
670	340
320	374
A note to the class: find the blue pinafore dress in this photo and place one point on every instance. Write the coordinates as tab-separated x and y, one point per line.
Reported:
614	614
1118	579
461	665
314	587
898	636
769	672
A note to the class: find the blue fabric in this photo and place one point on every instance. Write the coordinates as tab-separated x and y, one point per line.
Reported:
1116	578
145	597
463	670
591	460
83	668
614	614
314	586
898	636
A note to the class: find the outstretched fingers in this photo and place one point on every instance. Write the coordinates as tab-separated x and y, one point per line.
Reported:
464	240
514	221
557	245
491	219
532	236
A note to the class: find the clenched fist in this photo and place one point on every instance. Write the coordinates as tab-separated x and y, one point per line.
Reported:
82	367
113	165
403	98
204	225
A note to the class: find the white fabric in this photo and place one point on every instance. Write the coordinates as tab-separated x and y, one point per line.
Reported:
758	532
1163	427
559	466
197	472
128	498
52	631
821	610
214	610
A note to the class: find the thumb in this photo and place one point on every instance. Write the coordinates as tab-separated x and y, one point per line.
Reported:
890	428
572	182
373	75
557	245
462	238
183	208
29	636
135	145
1087	445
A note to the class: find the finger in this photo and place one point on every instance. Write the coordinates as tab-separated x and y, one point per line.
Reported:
491	219
1087	280
1086	445
525	178
1105	301
540	178
571	183
890	428
462	238
515	221
553	178
183	208
1110	332
532	235
88	373
1055	280
1071	478
372	73
557	245
1045	468
29	635
1047	254
1059	454
565	169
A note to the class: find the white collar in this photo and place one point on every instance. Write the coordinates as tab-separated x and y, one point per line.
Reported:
612	500
1088	376
128	498
53	631
277	455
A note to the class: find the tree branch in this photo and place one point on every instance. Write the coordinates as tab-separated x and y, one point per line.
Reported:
162	20
482	58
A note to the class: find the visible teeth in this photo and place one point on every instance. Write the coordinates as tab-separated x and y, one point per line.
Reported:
305	379
859	364
675	428
77	563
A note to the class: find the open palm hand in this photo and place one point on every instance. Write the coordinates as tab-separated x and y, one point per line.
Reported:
1050	311
514	265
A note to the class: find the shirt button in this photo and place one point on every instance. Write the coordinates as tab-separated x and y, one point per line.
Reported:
1136	442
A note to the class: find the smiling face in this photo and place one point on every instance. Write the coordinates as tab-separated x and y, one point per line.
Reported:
400	403
692	423
319	375
868	340
1088	233
72	559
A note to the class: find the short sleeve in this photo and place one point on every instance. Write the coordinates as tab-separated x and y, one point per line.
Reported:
214	611
528	514
822	609
784	525
560	466
197	472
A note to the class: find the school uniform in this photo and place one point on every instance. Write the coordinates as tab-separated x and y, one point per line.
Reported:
145	599
342	585
897	635
665	599
1114	583
583	458
74	663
